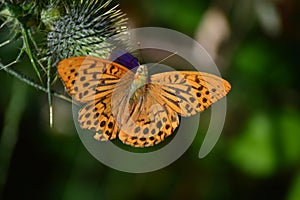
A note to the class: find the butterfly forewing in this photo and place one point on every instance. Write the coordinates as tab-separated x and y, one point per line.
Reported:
188	93
89	78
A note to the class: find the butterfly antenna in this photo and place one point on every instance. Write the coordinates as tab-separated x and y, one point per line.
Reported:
140	51
166	58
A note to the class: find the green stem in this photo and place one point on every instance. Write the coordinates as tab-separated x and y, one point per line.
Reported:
28	50
32	83
49	92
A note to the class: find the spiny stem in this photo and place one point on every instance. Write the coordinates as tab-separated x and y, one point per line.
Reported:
5	43
36	48
4	23
33	41
13	37
32	83
29	52
49	93
15	61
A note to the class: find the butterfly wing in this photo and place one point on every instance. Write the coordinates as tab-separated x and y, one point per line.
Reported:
92	81
188	92
149	121
154	116
89	78
97	116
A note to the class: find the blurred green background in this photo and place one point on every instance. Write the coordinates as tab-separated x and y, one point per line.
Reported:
255	44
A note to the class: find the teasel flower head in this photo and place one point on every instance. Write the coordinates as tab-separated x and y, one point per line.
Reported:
83	28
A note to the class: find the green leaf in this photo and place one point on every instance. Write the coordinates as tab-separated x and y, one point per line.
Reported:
253	151
290	137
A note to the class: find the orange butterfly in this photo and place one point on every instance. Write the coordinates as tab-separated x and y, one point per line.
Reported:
140	110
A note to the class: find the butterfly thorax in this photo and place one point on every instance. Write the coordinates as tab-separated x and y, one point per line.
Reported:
139	82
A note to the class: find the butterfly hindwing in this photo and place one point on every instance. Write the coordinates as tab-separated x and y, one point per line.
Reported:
96	116
149	122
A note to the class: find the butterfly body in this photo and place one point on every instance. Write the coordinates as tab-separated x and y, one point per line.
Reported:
140	110
138	86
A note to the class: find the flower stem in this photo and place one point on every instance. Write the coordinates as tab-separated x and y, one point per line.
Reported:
28	50
49	93
30	82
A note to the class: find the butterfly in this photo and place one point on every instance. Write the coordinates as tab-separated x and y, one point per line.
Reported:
140	110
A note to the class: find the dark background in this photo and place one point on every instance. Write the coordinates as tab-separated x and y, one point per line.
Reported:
257	155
